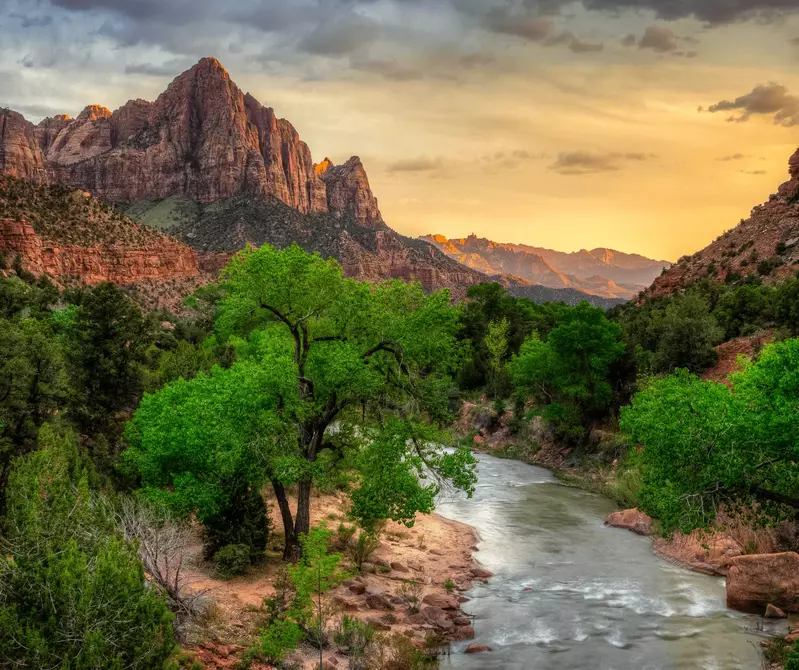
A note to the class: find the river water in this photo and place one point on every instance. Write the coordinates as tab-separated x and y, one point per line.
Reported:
569	593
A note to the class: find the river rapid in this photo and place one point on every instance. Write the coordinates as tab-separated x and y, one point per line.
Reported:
569	593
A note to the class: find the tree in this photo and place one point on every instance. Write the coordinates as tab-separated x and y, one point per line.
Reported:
570	372
313	349
107	348
72	592
490	303
687	335
705	444
496	342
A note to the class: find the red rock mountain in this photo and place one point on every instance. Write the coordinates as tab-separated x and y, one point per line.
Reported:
601	272
201	138
213	167
766	244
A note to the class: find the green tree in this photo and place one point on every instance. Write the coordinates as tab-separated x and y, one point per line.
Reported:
687	335
313	349
72	593
107	349
570	373
496	342
705	444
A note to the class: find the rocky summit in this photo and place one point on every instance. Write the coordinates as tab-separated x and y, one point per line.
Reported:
211	166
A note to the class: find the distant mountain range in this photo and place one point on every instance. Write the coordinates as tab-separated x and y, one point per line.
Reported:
213	168
601	272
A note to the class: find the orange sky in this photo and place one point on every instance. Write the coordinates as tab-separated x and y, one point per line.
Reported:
496	118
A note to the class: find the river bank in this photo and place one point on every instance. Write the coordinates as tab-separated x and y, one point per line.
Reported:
411	585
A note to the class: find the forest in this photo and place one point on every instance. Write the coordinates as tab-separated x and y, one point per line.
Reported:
120	431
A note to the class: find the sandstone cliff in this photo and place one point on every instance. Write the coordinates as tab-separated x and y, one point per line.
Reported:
201	138
73	237
766	244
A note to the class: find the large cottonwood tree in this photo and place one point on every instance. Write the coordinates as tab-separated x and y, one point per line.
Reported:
325	366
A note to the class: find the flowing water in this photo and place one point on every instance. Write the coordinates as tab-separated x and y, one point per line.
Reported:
570	593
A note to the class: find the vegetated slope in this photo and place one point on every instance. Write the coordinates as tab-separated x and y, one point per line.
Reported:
766	244
601	272
73	236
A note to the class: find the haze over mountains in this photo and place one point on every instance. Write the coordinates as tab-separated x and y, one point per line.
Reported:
601	272
213	167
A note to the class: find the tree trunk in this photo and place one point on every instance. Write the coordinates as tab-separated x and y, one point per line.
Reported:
289	530
302	519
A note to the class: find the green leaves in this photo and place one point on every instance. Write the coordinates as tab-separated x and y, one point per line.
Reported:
570	372
705	444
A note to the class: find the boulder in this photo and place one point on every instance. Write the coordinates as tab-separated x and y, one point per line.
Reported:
758	580
438	618
377	601
631	519
358	588
463	633
709	554
479	573
398	567
774	612
462	621
476	649
378	623
445	602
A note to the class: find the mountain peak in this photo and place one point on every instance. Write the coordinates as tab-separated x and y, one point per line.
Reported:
92	113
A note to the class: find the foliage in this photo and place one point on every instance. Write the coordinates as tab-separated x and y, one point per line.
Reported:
488	304
570	372
792	660
411	591
232	560
275	640
72	593
706	444
312	349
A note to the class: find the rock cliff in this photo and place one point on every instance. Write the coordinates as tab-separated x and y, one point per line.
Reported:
202	138
766	244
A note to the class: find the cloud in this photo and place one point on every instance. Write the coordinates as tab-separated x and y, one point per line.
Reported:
660	39
534	29
767	99
712	12
755	172
418	164
732	157
340	37
167	69
572	163
574	43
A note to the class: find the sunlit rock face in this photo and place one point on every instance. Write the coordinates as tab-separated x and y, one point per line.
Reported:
202	138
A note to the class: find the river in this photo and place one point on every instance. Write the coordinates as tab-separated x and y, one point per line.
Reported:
569	593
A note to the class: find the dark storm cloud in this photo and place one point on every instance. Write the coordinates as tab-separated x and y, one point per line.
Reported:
340	37
660	39
573	163
534	29
770	99
714	12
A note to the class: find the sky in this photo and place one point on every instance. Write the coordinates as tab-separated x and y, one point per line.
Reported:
648	126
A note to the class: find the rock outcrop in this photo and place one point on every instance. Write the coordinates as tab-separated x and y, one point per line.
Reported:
201	138
756	581
766	244
631	519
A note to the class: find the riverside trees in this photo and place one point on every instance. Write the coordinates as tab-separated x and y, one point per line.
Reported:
323	363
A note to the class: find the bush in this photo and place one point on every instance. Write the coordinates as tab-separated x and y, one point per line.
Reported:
72	593
411	592
277	639
360	550
353	637
792	660
232	560
243	520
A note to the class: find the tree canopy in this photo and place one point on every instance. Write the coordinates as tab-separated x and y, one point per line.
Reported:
313	349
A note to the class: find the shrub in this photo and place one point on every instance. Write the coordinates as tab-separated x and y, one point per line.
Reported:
361	550
232	560
449	585
277	639
72	593
352	637
411	592
792	659
243	520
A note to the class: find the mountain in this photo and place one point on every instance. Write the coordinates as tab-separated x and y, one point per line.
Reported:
73	236
601	272
211	166
766	244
